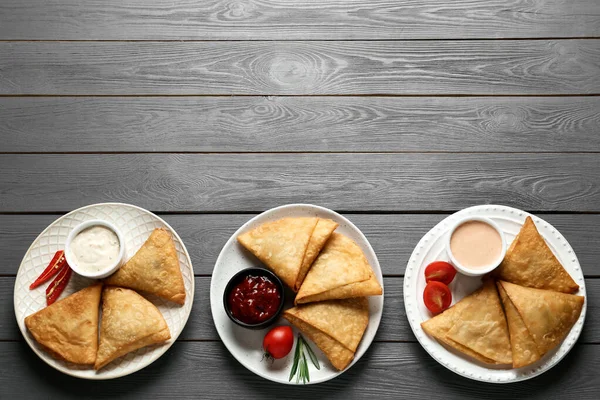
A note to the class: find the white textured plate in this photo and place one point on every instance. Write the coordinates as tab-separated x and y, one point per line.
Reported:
245	344
432	247
136	224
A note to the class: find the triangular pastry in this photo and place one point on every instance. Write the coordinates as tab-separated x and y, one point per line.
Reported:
129	322
547	315
336	326
319	237
340	271
524	349
153	269
482	327
439	326
68	329
281	245
530	262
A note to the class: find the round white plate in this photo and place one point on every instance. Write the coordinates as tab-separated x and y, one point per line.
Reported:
432	247
136	224
245	344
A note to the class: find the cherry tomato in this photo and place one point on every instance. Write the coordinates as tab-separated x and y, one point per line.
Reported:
278	342
437	297
440	271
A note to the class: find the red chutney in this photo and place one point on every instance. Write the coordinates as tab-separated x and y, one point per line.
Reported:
254	300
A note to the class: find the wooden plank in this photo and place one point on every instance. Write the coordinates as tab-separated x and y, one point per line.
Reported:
394	326
302	124
308	19
301	68
253	182
207	370
392	236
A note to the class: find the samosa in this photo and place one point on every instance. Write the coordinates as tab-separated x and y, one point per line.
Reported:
153	269
288	246
340	271
68	329
475	326
482	327
129	322
547	315
530	262
335	326
319	237
524	349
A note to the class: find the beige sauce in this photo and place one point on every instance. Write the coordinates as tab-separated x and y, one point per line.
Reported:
95	248
475	244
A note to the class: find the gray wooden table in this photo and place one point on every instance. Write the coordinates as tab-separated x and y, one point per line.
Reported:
209	112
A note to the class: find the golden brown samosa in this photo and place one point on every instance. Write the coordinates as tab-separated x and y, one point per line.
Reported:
68	329
530	262
336	326
319	237
439	326
153	269
524	349
548	315
281	245
340	271
481	327
339	356
129	322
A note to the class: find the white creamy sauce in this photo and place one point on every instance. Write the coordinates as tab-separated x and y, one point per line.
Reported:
476	244
95	248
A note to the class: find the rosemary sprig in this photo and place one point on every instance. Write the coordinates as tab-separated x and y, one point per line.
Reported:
313	357
296	358
300	365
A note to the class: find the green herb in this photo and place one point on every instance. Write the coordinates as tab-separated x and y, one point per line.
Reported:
313	357
295	364
300	366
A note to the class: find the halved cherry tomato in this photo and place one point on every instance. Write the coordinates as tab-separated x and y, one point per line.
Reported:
440	271
437	297
278	342
57	286
58	261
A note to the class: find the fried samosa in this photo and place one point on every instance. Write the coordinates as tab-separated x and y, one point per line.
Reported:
68	329
288	246
547	315
335	326
482	327
443	324
524	349
319	237
153	269
129	322
340	271
530	262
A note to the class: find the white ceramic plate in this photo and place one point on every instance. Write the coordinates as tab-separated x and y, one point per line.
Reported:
136	224
245	344
432	247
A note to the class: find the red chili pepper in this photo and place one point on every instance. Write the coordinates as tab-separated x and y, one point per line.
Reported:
58	261
57	286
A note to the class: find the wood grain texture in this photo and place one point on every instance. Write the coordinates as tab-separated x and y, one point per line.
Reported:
393	237
299	124
386	371
347	182
290	19
394	326
301	68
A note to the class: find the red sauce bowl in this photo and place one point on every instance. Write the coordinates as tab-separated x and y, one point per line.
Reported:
267	294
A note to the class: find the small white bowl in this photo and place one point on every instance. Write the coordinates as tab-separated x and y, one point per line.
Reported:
111	268
485	269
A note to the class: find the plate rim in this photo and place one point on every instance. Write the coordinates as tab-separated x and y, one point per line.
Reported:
233	238
407	281
166	346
